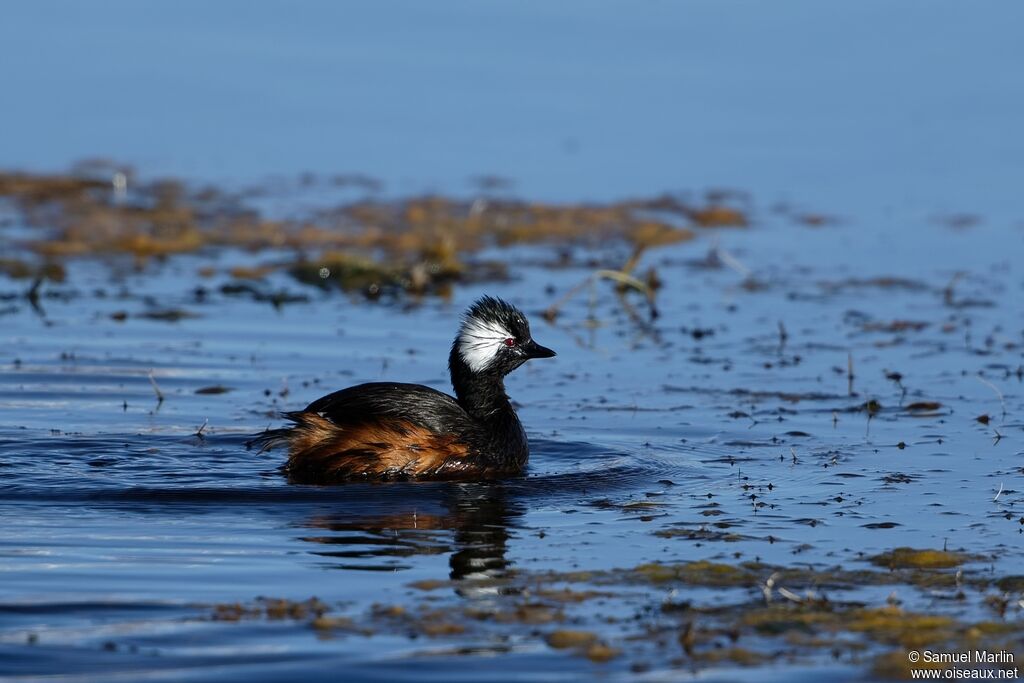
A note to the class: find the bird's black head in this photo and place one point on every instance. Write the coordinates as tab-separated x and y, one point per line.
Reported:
494	339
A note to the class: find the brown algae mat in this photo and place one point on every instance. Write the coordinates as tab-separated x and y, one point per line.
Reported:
700	615
420	245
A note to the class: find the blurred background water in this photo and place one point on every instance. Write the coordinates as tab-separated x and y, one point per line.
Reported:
850	105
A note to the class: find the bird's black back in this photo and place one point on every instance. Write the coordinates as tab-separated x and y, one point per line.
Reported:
414	403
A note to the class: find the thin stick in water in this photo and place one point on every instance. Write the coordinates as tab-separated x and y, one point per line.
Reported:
993	387
156	389
849	374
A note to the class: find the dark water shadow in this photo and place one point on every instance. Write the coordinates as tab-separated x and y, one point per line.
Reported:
473	523
143	471
381	527
355	526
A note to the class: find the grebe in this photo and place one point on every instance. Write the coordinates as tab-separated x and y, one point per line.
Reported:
387	430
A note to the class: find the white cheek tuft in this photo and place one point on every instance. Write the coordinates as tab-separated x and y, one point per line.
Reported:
480	341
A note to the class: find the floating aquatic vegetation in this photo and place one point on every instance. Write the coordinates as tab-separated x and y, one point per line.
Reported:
19	269
910	558
756	613
419	245
169	315
213	389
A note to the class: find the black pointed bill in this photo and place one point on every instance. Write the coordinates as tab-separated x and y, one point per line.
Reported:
535	350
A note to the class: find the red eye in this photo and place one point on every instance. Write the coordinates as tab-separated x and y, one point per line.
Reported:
510	341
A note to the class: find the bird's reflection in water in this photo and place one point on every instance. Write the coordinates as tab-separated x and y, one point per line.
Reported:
472	522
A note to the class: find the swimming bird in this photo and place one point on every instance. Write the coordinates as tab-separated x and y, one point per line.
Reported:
390	430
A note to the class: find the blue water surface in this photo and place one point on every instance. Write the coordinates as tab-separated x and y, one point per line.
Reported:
844	105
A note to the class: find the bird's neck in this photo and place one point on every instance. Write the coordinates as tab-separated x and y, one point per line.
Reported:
482	395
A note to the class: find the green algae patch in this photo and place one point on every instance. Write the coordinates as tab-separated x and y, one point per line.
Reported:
782	614
348	272
34	189
273	609
430	584
438	629
528	613
600	653
333	626
700	573
388	611
584	643
290	609
752	574
655	573
887	625
18	269
783	619
566	595
990	628
896	666
565	638
717	216
389	250
1011	584
235	611
911	558
417	245
894	626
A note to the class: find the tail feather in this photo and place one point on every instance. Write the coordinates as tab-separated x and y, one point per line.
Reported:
272	438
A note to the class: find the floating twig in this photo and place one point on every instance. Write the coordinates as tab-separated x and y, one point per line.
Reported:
622	277
156	389
551	312
849	374
767	587
642	325
33	292
32	295
199	432
993	387
947	293
731	261
897	379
